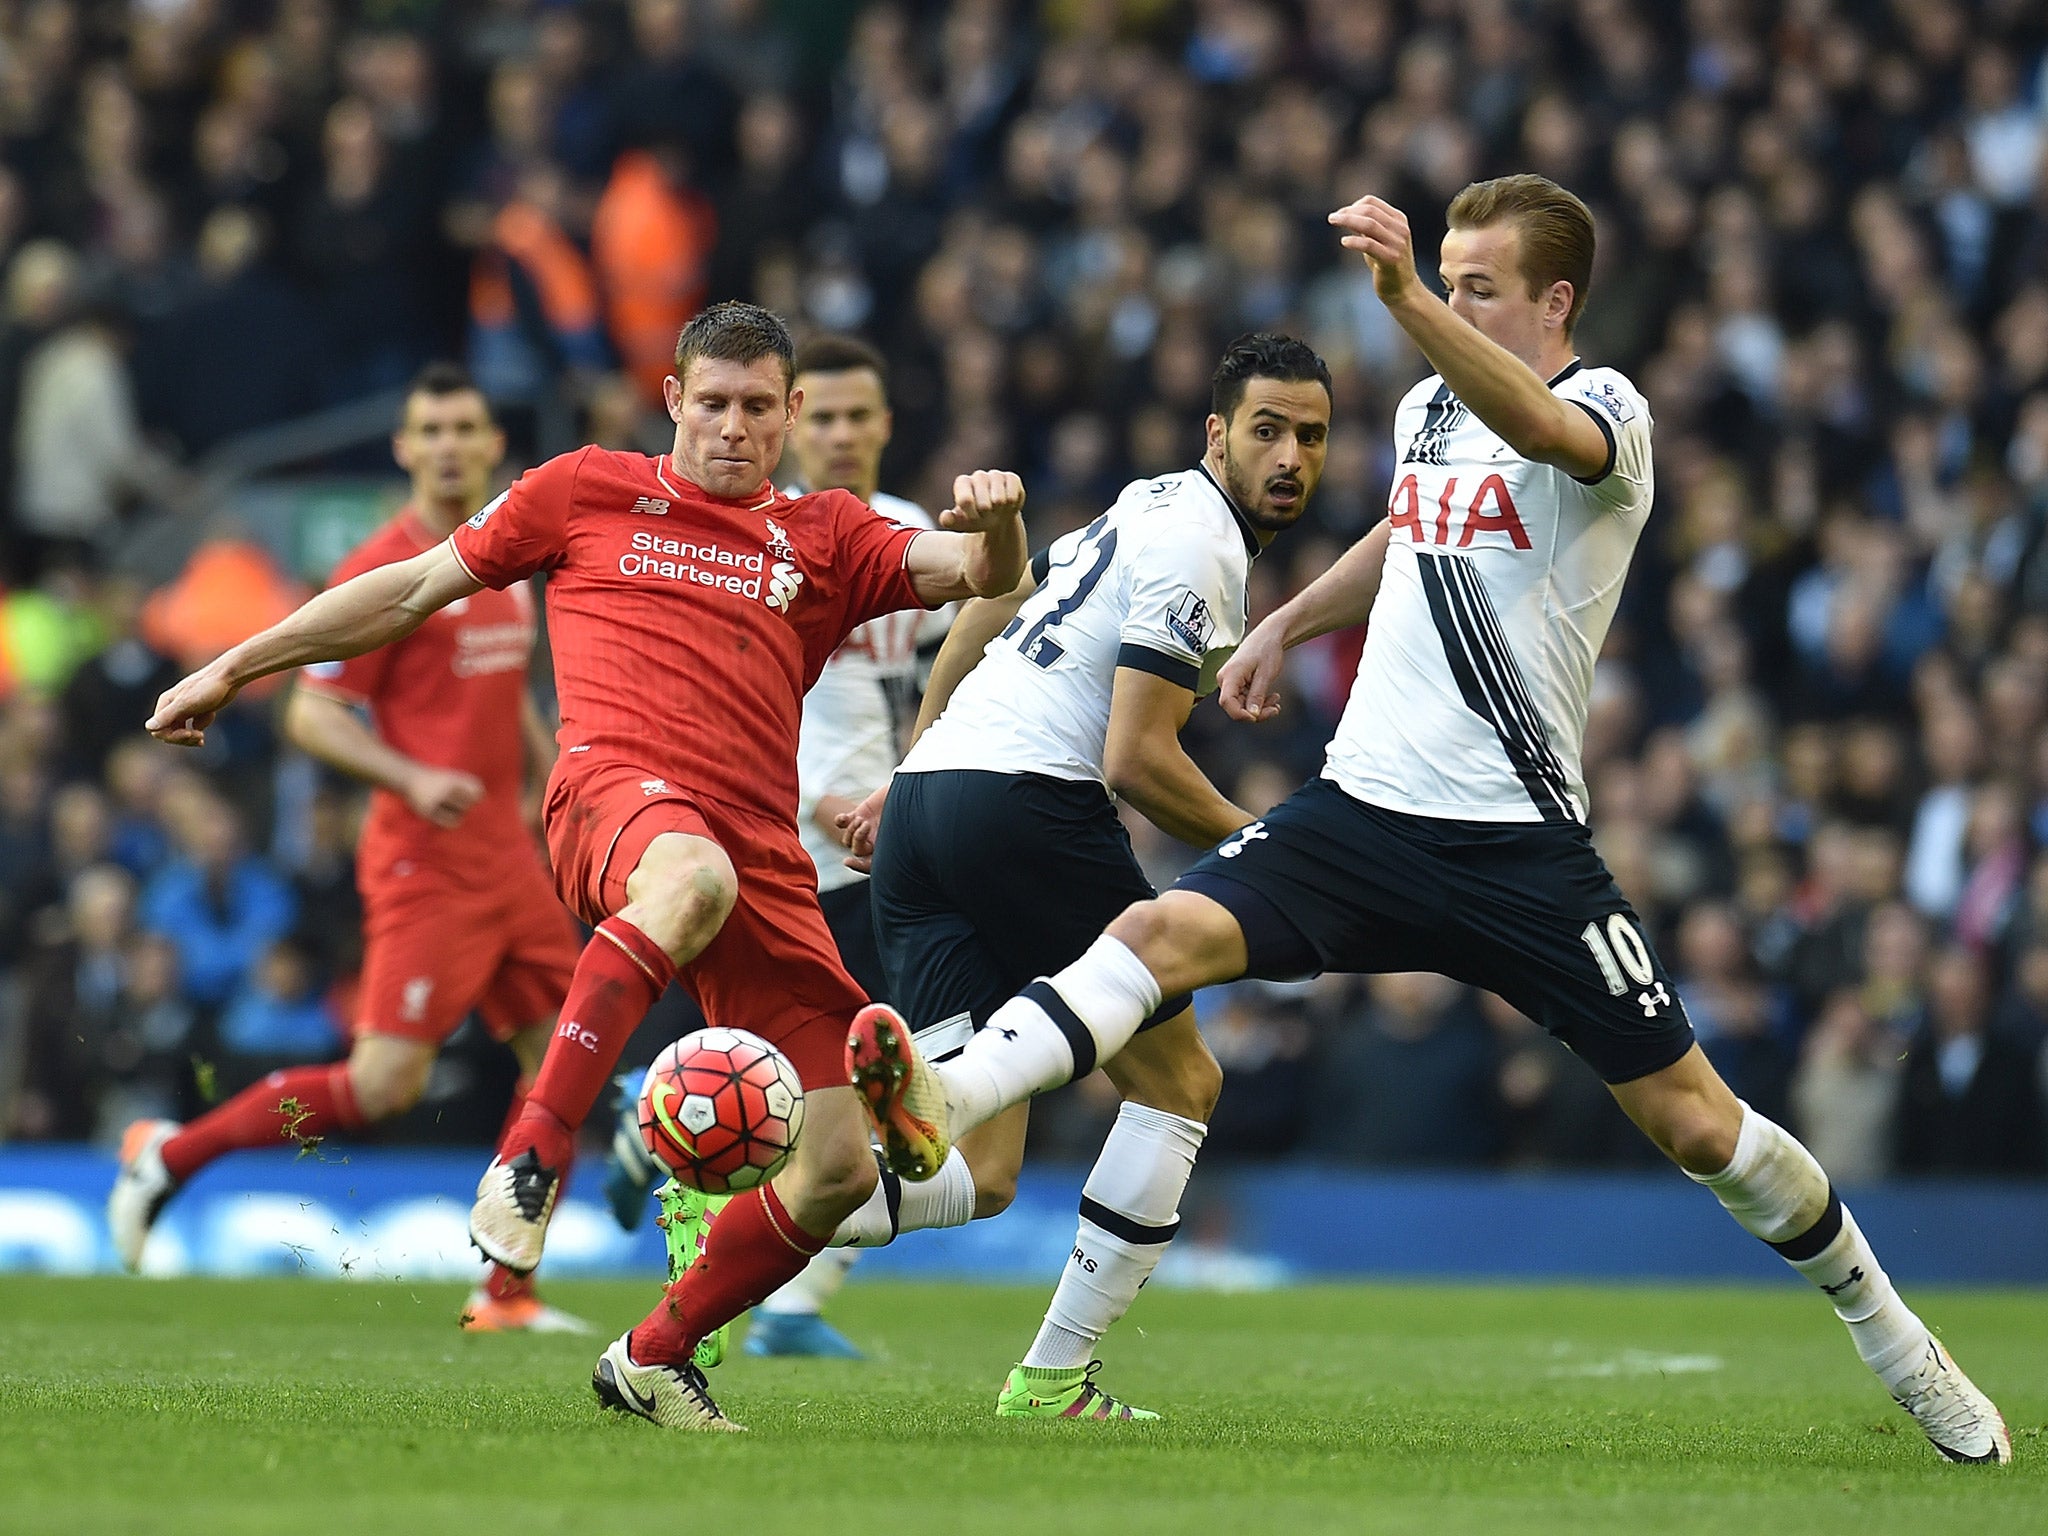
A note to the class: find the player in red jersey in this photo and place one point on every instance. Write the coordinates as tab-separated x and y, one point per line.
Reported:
690	605
459	912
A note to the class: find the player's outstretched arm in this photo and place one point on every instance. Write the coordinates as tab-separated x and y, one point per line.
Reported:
325	728
1248	688
367	611
1496	386
978	549
1144	762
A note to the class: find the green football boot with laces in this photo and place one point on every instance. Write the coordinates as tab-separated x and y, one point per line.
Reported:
685	1217
1040	1393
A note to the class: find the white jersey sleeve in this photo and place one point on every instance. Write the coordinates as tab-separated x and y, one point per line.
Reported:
1623	417
1179	620
858	713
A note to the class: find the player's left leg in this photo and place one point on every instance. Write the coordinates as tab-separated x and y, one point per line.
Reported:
1775	1189
754	1245
1130	1211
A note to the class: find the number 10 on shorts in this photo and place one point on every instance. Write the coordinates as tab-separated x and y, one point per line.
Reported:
1620	948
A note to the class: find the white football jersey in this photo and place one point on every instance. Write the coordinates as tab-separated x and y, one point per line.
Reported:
1502	576
858	712
1157	583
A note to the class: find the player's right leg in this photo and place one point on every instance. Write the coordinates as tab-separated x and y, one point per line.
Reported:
297	1106
1130	1211
1054	1031
677	895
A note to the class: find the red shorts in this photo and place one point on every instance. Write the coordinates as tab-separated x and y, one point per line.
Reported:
773	968
434	951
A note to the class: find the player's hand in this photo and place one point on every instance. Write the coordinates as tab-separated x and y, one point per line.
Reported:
1248	687
1378	231
859	827
186	708
443	795
983	500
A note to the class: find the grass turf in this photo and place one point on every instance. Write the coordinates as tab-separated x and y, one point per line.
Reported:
300	1407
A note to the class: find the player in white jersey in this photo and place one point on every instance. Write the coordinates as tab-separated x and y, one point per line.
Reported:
855	720
1001	856
1446	832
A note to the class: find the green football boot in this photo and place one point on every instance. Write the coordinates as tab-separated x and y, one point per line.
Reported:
1034	1393
685	1217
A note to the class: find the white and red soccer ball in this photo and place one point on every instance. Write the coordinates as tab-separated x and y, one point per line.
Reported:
721	1110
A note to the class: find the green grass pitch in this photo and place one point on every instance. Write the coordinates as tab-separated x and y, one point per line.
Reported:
298	1407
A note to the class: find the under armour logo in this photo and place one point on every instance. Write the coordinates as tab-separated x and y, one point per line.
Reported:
1652	1000
1007	1034
1855	1275
1242	839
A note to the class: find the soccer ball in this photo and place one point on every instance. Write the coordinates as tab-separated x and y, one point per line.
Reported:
721	1110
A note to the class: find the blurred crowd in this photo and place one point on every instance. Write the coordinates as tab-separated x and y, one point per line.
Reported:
1818	753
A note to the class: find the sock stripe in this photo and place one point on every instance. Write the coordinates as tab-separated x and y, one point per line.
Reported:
1814	1240
772	1208
892	1195
603	932
1054	1007
1117	1224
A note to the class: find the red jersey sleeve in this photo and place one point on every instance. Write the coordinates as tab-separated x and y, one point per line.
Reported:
525	530
356	680
871	552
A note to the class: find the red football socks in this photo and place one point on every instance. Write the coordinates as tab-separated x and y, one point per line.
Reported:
751	1251
619	976
286	1109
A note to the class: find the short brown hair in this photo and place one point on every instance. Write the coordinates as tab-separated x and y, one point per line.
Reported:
841	354
736	332
1556	230
438	380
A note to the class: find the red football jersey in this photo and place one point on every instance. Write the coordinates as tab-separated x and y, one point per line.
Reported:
450	694
686	627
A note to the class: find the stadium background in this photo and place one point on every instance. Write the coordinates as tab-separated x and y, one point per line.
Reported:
1818	754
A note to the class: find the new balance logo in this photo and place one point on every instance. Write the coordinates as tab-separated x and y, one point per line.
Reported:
654	786
653	506
1854	1276
1242	839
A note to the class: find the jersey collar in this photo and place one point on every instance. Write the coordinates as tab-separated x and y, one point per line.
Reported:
761	501
1570	368
1249	534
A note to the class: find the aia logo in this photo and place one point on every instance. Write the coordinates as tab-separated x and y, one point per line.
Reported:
1490	510
652	506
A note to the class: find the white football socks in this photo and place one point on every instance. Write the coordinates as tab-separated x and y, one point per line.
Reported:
1775	1189
946	1199
1050	1033
815	1285
1130	1210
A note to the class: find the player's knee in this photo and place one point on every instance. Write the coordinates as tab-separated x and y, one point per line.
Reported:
387	1084
995	1191
1145	928
680	899
1697	1140
841	1180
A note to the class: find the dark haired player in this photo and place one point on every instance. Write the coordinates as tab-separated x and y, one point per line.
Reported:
1000	855
1447	830
690	604
459	913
